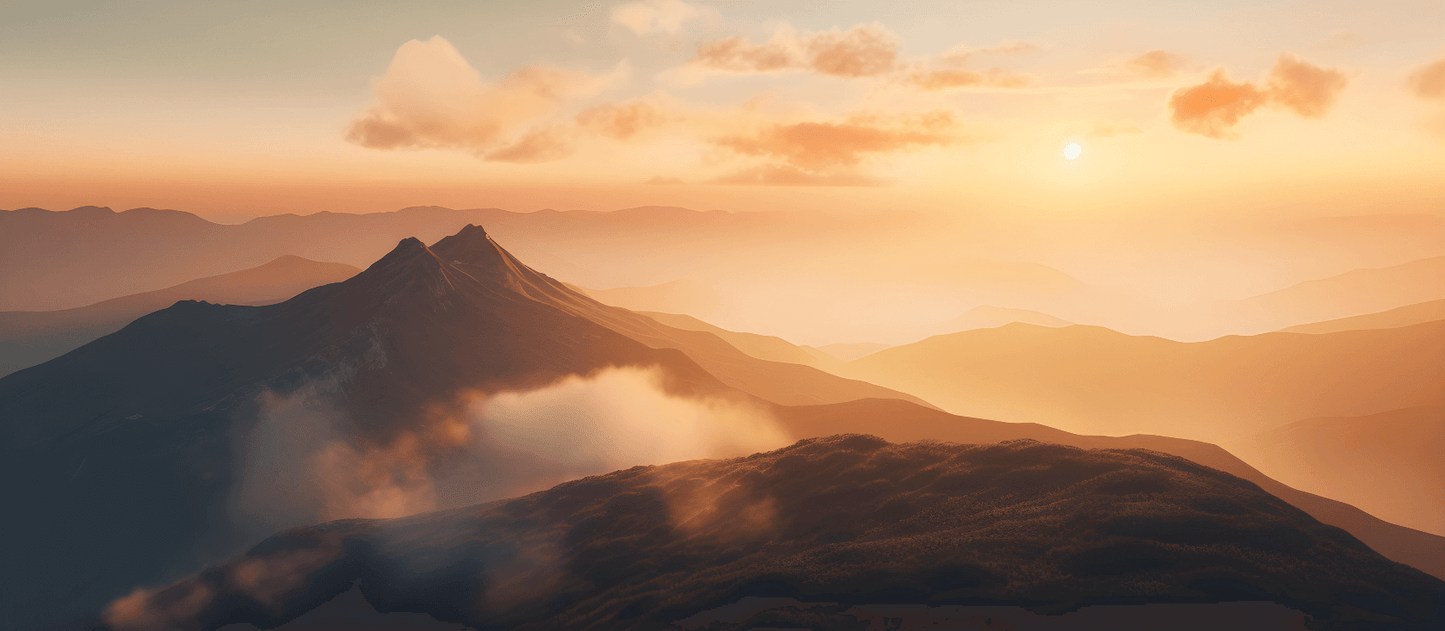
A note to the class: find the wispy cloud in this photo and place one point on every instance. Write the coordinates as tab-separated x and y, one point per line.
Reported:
659	16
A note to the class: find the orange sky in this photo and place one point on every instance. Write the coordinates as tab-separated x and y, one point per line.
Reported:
263	108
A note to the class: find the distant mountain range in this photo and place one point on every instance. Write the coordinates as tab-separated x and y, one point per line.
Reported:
1394	318
60	260
1094	380
1354	293
838	533
988	317
28	338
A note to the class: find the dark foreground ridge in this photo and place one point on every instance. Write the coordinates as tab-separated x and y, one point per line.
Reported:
850	521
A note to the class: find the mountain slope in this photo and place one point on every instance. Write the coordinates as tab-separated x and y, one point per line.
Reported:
28	338
1353	293
1097	381
850	521
900	421
1391	464
1394	318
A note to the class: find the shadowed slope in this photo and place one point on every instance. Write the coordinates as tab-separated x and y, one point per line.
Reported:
849	521
900	421
28	338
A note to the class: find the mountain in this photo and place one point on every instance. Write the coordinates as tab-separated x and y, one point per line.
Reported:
1097	381
1391	464
129	452
767	347
988	317
677	296
1403	316
840	532
1354	293
28	338
900	421
850	352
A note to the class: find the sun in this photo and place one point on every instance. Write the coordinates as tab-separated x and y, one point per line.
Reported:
1072	150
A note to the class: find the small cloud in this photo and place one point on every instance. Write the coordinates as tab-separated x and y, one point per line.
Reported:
1110	131
622	121
786	175
1213	108
861	51
430	97
1155	64
1429	82
817	146
578	17
1305	89
946	79
538	145
659	16
1010	48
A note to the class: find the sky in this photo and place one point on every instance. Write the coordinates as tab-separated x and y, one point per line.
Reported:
239	108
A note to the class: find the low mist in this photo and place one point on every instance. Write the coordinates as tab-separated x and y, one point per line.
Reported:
306	462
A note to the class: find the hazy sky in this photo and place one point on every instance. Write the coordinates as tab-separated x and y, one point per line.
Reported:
233	108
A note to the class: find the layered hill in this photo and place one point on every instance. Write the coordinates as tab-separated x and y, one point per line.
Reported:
1094	380
28	338
1354	293
833	533
1391	464
1394	318
125	451
988	317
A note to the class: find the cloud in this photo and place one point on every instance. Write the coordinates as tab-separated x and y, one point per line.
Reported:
1155	64
815	146
1214	107
785	175
305	462
1305	89
430	97
622	121
659	16
866	50
1429	81
945	79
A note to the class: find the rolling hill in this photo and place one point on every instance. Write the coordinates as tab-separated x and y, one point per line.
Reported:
830	533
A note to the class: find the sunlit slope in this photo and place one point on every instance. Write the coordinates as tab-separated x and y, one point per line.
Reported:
845	521
1094	380
900	421
1359	292
1403	316
28	338
1391	464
